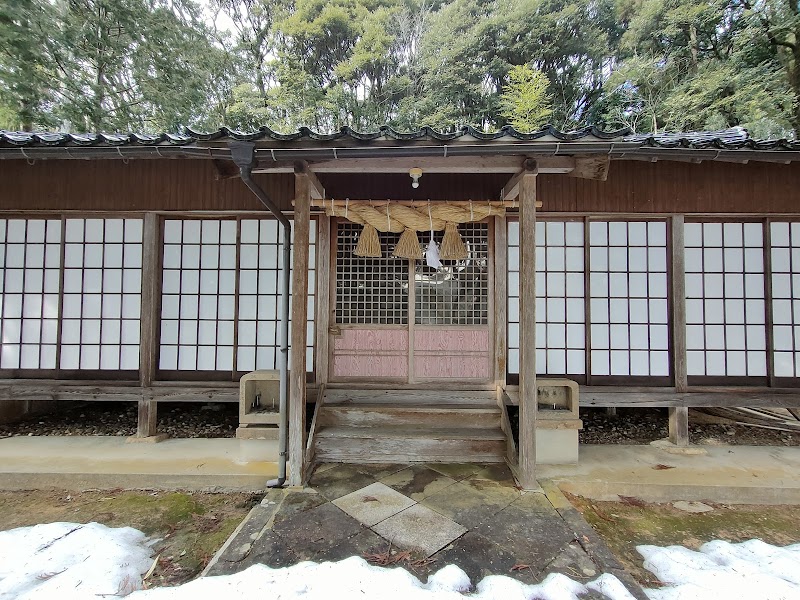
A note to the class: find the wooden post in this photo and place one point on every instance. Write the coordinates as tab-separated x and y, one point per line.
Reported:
322	300
297	353
678	416
150	319
527	322
500	300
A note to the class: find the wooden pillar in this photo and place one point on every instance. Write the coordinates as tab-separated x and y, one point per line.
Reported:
150	320
322	300
527	322
500	300
678	416
297	373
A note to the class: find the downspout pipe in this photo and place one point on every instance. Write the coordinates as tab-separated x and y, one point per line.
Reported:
243	155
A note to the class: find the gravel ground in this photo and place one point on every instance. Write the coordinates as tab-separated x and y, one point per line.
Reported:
180	420
644	425
215	420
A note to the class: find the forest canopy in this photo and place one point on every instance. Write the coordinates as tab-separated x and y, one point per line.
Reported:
162	65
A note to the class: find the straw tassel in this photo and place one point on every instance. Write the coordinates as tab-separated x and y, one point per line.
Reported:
408	246
369	246
453	247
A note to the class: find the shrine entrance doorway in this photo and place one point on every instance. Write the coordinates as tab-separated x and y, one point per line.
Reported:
395	320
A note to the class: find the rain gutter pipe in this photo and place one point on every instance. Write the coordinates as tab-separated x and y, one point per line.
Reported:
243	154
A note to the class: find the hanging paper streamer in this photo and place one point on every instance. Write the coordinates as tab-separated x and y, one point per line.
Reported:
432	254
432	251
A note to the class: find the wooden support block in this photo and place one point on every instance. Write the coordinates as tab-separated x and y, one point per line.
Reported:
679	426
148	415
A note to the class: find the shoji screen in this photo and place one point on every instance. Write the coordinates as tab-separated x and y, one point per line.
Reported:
102	294
628	298
560	315
221	295
30	255
785	259
725	306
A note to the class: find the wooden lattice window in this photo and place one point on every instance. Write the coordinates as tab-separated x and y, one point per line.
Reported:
369	290
457	293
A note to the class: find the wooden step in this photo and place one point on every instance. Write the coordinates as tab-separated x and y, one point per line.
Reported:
424	417
409	444
429	397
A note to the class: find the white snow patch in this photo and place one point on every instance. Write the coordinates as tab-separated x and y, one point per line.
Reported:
70	560
355	578
752	569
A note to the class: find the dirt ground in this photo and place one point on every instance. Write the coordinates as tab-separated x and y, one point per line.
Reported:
632	522
189	527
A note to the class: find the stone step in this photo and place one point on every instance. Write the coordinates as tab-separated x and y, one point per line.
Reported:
425	417
409	444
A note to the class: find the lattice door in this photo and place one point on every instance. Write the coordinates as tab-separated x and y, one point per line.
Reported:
375	334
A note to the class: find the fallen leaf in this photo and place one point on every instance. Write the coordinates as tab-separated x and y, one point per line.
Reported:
661	467
369	499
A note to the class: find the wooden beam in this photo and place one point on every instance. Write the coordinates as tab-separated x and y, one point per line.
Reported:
322	300
297	375
527	368
679	426
594	167
428	164
150	321
678	302
315	188
500	300
511	190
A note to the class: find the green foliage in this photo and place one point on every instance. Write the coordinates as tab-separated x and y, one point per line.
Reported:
525	102
156	65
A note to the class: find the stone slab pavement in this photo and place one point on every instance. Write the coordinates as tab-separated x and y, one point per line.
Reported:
422	517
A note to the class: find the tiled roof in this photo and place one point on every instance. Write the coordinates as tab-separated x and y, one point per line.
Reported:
586	140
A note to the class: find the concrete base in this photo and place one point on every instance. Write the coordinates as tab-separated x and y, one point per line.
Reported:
95	462
150	439
556	446
671	448
256	432
726	474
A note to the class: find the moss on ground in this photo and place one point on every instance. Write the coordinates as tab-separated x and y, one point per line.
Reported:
632	522
190	527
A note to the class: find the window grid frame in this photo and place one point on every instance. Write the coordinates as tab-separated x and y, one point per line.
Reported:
235	373
611	378
59	372
764	249
588	378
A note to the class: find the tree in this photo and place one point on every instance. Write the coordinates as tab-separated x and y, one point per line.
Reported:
525	101
27	73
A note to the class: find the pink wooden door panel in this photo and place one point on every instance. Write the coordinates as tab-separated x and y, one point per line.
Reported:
451	353
379	353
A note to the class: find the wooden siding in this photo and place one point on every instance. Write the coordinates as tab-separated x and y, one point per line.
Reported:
674	187
112	185
192	185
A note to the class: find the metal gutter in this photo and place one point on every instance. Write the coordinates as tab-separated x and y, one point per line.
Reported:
613	149
243	154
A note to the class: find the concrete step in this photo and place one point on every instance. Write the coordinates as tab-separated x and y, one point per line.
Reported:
425	417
